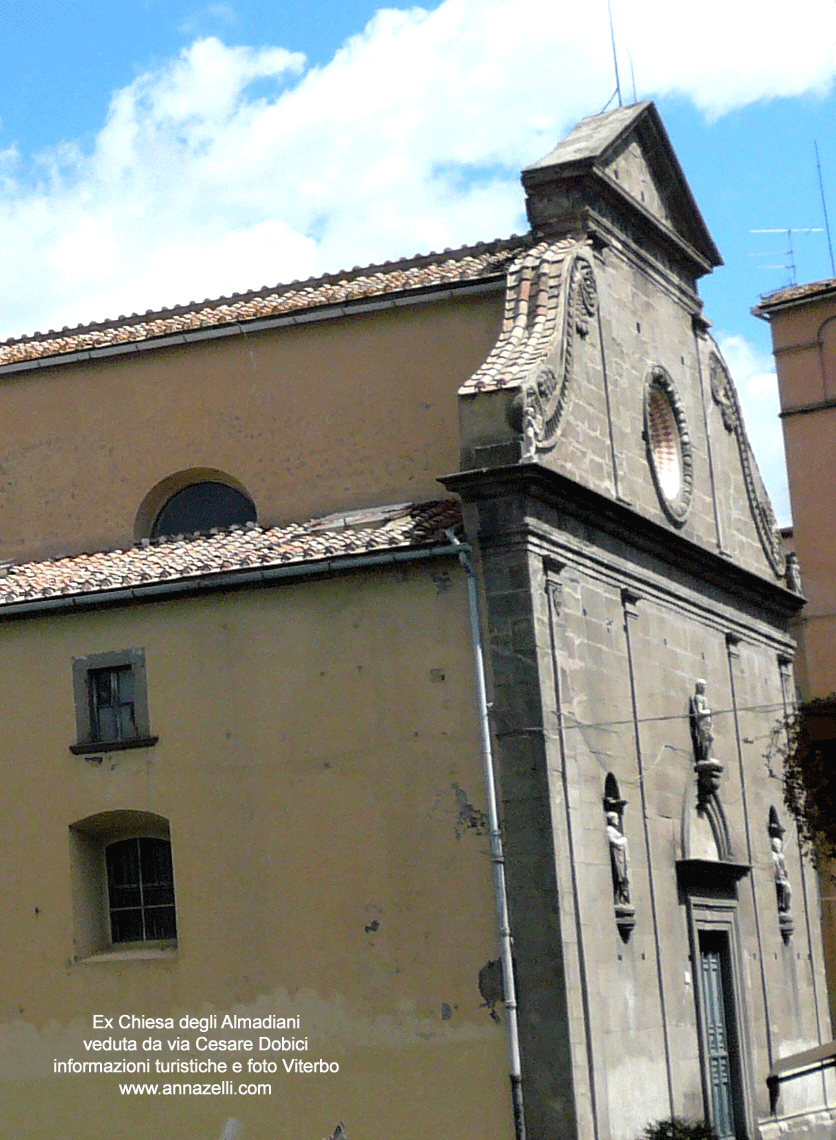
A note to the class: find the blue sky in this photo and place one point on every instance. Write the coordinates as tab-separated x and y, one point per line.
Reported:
159	152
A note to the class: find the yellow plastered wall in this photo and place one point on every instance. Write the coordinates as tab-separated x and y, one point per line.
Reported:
318	763
310	419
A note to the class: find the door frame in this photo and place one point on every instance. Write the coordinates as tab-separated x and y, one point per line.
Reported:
710	914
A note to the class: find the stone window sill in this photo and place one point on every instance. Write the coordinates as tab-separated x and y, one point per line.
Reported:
154	952
83	748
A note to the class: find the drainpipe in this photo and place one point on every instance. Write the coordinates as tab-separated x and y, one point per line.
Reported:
497	856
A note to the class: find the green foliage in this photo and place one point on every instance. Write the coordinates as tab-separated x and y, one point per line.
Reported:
804	740
678	1129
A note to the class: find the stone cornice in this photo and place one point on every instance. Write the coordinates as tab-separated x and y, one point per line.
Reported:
621	521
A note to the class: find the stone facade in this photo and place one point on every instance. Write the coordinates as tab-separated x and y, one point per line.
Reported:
629	553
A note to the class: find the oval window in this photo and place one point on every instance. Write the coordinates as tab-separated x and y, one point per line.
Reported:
668	445
202	506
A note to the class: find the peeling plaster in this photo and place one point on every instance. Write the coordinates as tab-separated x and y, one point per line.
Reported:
443	583
491	986
469	816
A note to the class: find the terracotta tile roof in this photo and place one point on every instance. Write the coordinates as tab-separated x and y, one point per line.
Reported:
531	325
469	263
239	548
794	293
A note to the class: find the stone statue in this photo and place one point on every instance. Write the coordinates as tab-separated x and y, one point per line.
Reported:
530	428
701	723
792	575
782	882
708	769
619	859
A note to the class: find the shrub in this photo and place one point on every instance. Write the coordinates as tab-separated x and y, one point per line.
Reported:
678	1129
805	740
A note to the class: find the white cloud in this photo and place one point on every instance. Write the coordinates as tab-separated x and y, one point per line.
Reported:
728	53
410	138
210	16
757	386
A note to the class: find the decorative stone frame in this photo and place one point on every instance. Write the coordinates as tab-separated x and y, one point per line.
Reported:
82	669
660	387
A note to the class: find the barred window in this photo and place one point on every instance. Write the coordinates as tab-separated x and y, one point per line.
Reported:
140	889
122	872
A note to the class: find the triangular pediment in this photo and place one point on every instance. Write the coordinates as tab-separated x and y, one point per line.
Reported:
624	159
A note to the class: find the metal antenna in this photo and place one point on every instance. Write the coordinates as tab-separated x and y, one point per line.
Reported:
633	78
606	105
790	253
824	210
614	56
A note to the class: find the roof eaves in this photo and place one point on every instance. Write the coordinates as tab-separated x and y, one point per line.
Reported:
478	263
237	556
239	578
791	295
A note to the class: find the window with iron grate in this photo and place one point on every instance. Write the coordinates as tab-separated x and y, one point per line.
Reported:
140	889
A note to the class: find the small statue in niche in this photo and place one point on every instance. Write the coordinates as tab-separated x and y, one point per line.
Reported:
619	860
782	882
614	804
530	431
701	723
783	890
708	769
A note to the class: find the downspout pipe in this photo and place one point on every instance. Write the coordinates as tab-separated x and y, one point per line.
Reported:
497	855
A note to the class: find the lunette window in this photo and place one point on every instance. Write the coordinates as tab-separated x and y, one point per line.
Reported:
201	506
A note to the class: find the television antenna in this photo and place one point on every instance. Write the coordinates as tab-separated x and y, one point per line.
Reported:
614	55
790	251
824	209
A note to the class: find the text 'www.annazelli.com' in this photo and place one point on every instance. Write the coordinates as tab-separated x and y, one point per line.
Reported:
225	1088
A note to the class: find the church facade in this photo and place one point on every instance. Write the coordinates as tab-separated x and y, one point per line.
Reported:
394	664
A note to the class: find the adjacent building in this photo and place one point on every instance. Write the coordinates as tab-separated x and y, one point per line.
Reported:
257	553
802	319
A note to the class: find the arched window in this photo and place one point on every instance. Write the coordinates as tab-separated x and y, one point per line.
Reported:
202	506
123	884
194	499
140	890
